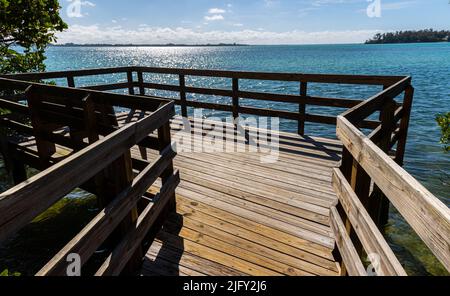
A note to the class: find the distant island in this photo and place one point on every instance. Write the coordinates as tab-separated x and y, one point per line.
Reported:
144	45
428	35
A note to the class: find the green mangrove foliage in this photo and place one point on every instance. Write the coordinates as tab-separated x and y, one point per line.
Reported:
443	121
28	27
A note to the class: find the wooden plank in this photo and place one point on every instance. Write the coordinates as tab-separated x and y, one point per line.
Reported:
86	242
14	107
66	93
215	255
350	257
186	212
235	247
17	126
189	226
366	108
110	86
415	203
320	239
368	233
63	74
117	260
321	198
295	207
300	99
182	260
319	78
252	223
259	208
24	202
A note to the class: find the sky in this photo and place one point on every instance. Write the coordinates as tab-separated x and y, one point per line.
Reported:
245	21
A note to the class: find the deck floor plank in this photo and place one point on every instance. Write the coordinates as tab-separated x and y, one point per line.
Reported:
239	216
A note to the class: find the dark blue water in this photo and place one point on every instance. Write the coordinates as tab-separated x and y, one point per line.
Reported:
428	64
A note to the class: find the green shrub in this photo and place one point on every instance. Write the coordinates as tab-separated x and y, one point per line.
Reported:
444	122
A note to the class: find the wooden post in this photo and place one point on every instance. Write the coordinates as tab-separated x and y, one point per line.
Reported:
182	79
117	177
404	125
90	119
235	86
141	83
379	207
45	148
164	138
70	81
302	109
346	168
130	82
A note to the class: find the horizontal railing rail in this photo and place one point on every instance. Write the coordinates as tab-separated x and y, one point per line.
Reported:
371	177
104	159
302	100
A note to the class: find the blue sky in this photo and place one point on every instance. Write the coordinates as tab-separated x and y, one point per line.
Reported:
245	21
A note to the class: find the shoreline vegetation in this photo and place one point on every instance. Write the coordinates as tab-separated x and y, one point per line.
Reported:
421	36
144	45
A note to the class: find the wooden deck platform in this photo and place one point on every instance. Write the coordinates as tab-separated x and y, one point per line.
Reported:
238	216
313	211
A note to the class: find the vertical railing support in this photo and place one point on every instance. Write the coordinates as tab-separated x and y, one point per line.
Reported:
164	141
141	83
45	148
183	104
235	86
302	109
404	125
70	81
379	207
130	82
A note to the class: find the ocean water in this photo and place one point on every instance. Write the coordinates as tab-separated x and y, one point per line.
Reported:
428	64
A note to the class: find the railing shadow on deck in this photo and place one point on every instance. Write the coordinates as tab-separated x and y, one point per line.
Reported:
160	261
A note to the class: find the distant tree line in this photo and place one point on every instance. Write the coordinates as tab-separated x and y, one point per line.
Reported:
428	35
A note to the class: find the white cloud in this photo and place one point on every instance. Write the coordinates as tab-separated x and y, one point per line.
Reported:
158	35
214	17
216	11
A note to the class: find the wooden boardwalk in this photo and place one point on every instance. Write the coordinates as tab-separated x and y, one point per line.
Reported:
238	216
313	211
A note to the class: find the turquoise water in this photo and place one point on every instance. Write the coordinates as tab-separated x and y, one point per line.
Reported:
428	64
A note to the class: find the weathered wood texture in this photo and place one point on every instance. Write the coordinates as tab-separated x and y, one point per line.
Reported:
89	158
234	213
425	213
239	216
417	205
235	93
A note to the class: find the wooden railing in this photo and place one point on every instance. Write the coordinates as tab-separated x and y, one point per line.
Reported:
103	164
301	100
370	177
